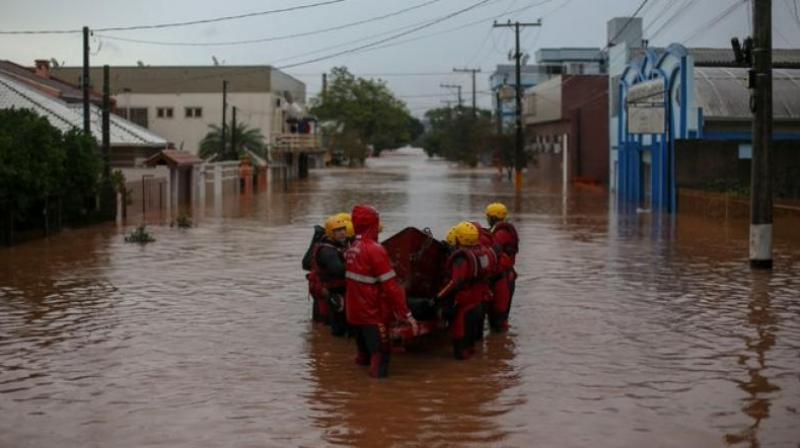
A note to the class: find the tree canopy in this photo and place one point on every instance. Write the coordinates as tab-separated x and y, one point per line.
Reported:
456	134
40	165
246	139
368	108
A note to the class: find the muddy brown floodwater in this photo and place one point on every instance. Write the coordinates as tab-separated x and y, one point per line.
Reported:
626	330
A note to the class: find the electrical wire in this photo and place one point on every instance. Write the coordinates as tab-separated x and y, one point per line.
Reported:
628	22
179	24
704	28
274	38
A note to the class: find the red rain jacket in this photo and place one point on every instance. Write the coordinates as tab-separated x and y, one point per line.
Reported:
374	296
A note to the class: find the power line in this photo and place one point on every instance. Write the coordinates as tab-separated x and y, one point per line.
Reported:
466	25
682	9
180	24
273	38
704	28
390	38
409	30
628	22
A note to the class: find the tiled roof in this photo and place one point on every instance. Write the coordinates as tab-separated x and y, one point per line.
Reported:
16	94
174	157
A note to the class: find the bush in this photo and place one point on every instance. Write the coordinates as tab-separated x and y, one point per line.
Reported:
40	166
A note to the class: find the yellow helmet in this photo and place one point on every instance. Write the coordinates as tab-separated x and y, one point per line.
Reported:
451	236
333	223
351	232
496	210
464	234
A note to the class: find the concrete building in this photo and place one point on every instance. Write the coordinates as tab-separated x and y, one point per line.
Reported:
550	62
684	121
568	112
180	102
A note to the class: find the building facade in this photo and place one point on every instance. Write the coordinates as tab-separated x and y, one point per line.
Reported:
685	124
181	102
568	112
550	62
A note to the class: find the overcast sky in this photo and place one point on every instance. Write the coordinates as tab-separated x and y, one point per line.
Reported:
422	63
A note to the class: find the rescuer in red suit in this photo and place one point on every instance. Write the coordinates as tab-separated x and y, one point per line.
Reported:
374	298
506	245
468	267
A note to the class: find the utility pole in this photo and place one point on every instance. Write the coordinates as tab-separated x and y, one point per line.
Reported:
87	124
324	85
761	105
224	110
499	112
454	86
518	155
106	122
473	71
233	130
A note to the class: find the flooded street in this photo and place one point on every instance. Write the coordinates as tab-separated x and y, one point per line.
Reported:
626	331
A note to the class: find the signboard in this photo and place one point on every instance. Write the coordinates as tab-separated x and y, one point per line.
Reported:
645	103
646	120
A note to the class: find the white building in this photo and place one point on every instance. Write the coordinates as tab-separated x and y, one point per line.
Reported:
181	102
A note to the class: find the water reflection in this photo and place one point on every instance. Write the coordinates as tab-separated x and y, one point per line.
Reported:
761	322
429	399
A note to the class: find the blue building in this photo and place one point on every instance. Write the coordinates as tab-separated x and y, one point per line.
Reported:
686	124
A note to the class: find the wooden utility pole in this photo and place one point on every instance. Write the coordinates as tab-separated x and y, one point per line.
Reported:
761	168
106	123
518	150
473	71
324	85
87	124
233	131
499	113
454	86
223	152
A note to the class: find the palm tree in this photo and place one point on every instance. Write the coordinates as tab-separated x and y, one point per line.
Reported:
246	139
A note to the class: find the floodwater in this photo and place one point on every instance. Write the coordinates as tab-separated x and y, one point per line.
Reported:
627	331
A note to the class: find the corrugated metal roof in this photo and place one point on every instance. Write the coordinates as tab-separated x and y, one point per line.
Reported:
16	94
723	94
723	57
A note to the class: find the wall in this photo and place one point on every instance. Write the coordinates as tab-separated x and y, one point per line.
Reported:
716	166
543	102
585	102
255	109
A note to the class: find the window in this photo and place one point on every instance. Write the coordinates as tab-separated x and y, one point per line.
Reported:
194	112
164	112
138	115
122	112
278	102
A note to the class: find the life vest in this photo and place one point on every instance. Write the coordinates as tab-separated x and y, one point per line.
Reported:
484	235
319	274
513	246
481	260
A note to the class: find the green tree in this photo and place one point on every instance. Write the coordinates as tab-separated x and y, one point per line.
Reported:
457	135
350	145
366	107
246	139
40	167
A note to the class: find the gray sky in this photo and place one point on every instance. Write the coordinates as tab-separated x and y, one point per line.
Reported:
430	54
